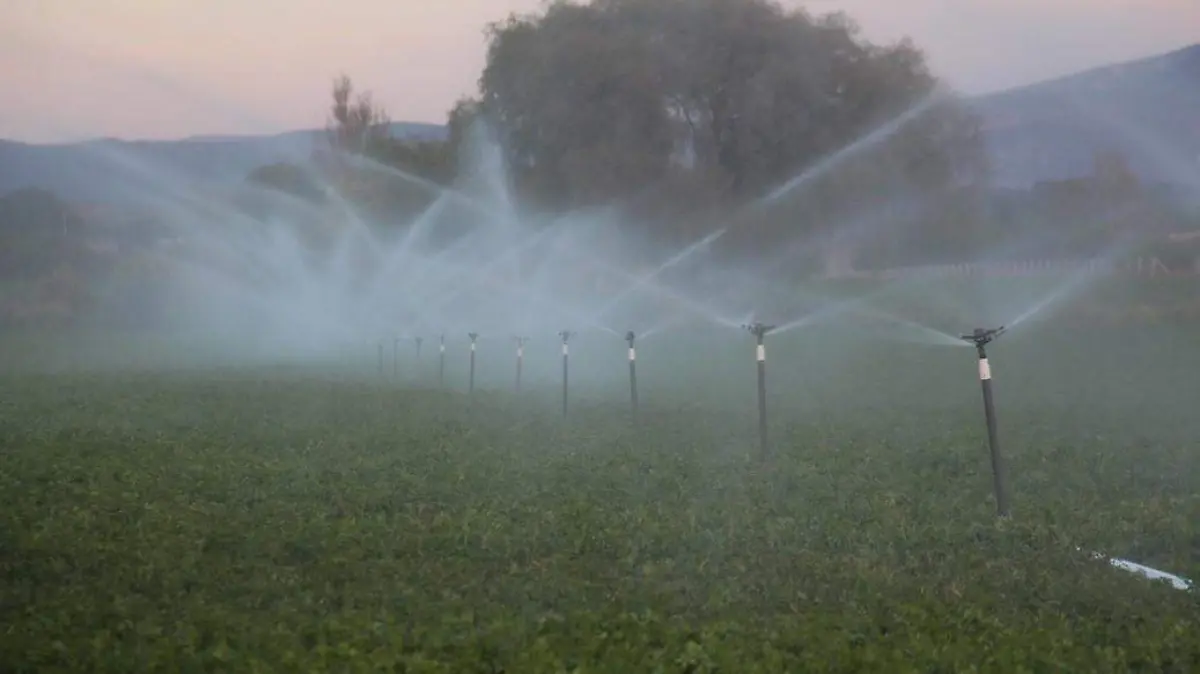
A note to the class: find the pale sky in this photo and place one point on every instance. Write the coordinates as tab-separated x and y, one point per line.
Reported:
74	69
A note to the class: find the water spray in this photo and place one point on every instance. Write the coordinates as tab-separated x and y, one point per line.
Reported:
520	359
633	393
442	362
471	376
981	338
760	330
566	356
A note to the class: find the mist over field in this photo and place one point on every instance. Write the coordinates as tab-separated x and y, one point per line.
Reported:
703	337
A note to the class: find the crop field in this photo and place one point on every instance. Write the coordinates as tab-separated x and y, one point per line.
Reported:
335	518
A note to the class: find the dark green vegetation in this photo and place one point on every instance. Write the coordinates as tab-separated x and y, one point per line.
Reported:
286	520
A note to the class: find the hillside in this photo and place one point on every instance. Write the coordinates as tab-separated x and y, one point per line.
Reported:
1149	110
107	170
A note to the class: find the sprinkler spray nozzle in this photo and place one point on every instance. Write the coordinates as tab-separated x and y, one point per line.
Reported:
983	336
759	330
630	337
473	336
566	336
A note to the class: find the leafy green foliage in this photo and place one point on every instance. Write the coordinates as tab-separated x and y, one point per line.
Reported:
595	101
278	522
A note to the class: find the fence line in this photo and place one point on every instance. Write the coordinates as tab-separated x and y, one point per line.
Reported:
1144	266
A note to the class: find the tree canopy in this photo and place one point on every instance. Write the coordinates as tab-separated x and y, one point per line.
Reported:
693	109
596	102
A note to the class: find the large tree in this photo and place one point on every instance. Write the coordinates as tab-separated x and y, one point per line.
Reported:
599	101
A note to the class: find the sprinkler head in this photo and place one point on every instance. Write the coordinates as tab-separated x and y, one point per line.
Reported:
521	341
759	330
473	335
418	340
983	336
566	335
629	337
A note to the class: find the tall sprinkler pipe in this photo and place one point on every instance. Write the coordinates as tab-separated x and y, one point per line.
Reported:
380	345
395	357
520	359
566	358
417	363
633	390
442	362
981	337
760	330
471	376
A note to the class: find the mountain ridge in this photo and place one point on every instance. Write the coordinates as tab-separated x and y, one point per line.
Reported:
1146	109
1185	53
112	169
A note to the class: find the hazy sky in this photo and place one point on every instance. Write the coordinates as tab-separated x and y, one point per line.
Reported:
172	68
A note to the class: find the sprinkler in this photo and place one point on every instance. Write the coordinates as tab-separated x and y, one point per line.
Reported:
566	337
981	338
520	358
417	365
633	393
396	357
760	330
471	377
442	362
380	345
